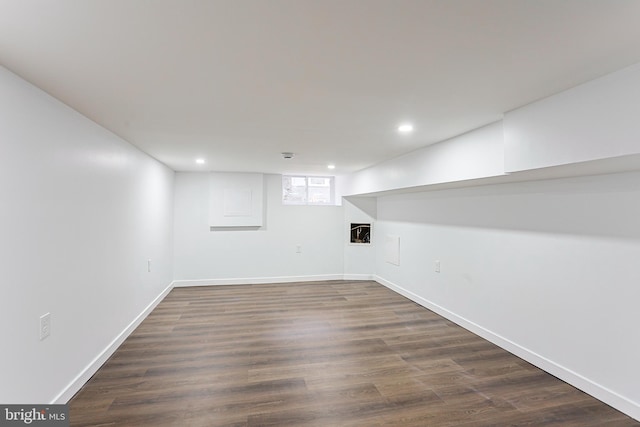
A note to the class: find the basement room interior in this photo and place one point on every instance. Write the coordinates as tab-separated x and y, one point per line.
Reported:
320	213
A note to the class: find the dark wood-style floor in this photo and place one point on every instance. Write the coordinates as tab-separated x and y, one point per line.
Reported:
319	354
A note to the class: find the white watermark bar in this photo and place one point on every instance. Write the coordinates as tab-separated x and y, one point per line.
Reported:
34	415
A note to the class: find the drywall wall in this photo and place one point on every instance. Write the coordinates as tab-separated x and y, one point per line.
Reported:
473	155
584	130
596	120
81	213
236	199
546	269
255	254
359	259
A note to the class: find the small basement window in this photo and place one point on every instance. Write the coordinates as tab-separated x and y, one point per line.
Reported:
308	190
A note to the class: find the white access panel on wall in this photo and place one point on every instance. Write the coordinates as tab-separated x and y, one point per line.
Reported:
392	249
236	199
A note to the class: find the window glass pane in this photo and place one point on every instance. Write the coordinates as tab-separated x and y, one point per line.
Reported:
294	189
315	181
311	190
319	195
298	181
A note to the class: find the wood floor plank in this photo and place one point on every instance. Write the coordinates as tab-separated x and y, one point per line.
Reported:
332	353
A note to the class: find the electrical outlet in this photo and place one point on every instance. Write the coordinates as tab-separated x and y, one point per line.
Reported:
437	266
298	249
45	326
148	266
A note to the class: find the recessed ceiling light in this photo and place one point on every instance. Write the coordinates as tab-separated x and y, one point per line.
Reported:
405	128
200	161
331	166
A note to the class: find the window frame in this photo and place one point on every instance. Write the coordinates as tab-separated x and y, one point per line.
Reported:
307	202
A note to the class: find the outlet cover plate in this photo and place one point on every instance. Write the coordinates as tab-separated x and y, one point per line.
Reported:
45	326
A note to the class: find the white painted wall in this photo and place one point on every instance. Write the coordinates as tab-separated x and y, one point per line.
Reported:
594	125
81	211
206	256
359	259
547	269
236	199
474	155
596	120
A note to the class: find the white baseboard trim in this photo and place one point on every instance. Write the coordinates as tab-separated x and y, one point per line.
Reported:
358	277
274	279
596	390
70	390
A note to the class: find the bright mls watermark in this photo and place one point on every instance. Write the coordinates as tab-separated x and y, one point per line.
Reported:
34	415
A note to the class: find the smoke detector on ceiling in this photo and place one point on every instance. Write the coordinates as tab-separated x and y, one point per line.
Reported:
287	155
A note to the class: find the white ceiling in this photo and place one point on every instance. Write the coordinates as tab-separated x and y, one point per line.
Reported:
240	81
